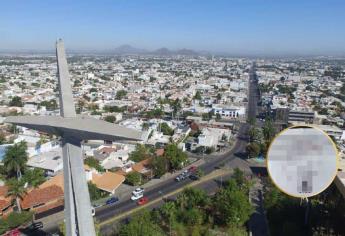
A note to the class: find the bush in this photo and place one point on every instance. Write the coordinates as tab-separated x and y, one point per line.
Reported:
16	219
133	178
3	226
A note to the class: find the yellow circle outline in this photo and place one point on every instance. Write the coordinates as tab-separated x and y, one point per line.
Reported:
329	138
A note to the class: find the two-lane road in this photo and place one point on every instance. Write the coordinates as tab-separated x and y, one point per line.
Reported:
170	185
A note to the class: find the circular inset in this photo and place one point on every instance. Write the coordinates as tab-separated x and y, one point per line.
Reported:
302	161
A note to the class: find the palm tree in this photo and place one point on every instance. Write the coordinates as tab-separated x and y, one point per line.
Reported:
16	190
15	158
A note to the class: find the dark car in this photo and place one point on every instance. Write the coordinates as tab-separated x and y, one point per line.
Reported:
112	200
194	177
35	226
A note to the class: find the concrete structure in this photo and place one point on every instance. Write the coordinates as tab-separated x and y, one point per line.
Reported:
73	130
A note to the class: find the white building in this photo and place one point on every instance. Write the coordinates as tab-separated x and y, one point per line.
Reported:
229	111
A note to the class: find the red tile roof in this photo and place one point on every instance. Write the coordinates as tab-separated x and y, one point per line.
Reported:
38	196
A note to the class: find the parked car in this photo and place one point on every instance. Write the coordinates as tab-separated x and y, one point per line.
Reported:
143	201
192	169
112	200
35	226
93	211
138	191
194	177
96	205
136	197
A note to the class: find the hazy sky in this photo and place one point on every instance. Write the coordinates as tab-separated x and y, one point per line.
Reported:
234	26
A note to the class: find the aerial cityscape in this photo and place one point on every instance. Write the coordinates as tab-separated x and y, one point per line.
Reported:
144	118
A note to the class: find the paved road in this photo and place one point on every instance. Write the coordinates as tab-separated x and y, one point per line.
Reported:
253	93
211	163
170	185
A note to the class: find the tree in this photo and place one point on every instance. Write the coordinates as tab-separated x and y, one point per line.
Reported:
16	102
121	94
218	117
231	205
133	178
93	163
16	219
197	95
3	226
15	159
176	105
206	116
95	193
93	90
2	138
141	224
110	119
34	177
192	197
268	131
254	134
253	149
49	105
159	166
140	153
145	126
177	158
219	96
16	190
166	130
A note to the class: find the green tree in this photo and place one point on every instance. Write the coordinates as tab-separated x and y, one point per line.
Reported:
16	190
16	102
141	224
145	126
2	138
110	119
3	226
254	134
133	178
253	149
95	193
15	159
159	166
218	117
121	94
166	130
192	197
177	158
34	177
16	219
268	131
93	90
231	205
140	153
93	163
197	95
206	116
176	105
50	105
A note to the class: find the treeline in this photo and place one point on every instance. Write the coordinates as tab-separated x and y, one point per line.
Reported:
194	212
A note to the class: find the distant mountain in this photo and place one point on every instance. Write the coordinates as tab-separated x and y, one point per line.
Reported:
187	52
162	52
128	49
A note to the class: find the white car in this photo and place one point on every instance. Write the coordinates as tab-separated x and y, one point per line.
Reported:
138	191
93	211
136	197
